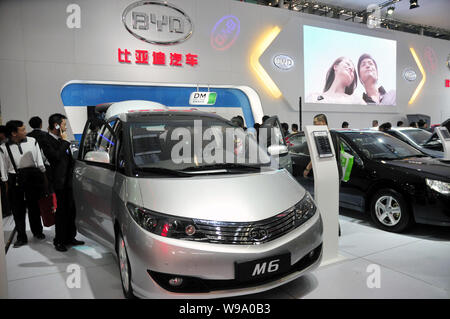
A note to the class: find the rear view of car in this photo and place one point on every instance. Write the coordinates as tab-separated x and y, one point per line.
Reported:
189	224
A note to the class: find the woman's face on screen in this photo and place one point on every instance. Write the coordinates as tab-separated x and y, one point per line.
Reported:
345	71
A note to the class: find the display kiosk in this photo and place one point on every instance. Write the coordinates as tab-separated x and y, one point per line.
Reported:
3	280
444	136
326	187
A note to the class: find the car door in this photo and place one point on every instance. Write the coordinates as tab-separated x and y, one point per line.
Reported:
94	175
299	153
298	149
351	194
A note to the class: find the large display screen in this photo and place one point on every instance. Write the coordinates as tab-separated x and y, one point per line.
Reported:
348	68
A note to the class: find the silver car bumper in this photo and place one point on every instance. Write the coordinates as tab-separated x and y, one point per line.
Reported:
214	264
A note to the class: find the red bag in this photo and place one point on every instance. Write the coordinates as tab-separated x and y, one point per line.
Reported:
47	206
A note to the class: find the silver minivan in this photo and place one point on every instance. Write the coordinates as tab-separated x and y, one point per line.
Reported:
190	227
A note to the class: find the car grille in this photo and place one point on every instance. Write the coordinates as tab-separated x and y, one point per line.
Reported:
254	233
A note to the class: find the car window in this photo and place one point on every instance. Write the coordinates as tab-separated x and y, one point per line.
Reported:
106	142
419	136
381	146
99	138
90	142
350	151
347	148
168	143
297	144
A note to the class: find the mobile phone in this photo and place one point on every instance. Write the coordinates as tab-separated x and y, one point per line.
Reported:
57	127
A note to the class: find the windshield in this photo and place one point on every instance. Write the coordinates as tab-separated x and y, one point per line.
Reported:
418	136
188	143
381	146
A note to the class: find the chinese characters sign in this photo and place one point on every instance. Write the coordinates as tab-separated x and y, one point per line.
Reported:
156	58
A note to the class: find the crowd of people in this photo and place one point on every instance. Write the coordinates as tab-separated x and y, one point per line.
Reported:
33	166
239	121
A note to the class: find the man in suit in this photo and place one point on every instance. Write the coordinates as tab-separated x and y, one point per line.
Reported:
56	149
5	201
37	133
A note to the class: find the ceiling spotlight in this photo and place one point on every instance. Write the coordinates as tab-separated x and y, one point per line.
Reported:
413	4
390	10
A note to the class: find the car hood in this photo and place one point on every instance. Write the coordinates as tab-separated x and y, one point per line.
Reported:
234	198
427	165
432	153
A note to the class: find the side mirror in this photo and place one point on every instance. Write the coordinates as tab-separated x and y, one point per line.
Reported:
277	150
97	156
359	162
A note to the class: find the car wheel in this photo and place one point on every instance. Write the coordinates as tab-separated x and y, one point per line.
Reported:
124	267
389	211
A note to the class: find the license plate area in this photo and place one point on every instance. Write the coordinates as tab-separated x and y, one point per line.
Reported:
263	268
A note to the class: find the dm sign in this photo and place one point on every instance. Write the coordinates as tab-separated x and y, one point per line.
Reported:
203	98
157	22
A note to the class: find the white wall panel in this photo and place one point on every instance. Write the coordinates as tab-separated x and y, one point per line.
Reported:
38	54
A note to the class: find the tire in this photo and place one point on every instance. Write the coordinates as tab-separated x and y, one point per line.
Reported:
390	211
124	267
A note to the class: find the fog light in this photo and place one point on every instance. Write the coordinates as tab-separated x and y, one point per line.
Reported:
190	230
176	282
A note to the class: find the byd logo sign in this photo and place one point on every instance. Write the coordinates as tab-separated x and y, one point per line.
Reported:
157	22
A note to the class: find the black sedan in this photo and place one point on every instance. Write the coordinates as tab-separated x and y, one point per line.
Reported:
419	139
393	181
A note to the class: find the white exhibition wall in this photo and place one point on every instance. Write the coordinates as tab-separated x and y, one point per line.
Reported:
39	54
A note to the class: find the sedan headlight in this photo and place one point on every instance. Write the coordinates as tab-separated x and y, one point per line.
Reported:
165	225
305	209
438	186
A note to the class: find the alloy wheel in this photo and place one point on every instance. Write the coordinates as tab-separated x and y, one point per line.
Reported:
388	211
123	262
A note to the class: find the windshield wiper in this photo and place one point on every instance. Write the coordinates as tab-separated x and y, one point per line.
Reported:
163	171
226	166
409	156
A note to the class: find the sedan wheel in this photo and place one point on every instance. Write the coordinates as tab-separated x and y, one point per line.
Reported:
389	211
124	267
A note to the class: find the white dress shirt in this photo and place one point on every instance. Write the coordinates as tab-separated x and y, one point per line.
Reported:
26	154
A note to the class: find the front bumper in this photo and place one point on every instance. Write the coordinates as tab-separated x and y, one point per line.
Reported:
431	207
212	266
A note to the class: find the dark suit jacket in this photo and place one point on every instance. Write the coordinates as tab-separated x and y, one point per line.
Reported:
38	135
61	162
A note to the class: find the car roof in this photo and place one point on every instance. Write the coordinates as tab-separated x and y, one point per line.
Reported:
344	130
139	116
406	128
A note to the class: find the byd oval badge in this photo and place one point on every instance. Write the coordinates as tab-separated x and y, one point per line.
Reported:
409	74
258	234
283	62
157	22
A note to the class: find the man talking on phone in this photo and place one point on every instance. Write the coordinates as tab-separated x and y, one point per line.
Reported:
56	149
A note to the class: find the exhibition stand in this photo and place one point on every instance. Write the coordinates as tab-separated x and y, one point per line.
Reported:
326	187
3	281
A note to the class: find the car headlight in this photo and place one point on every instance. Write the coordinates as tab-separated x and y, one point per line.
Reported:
305	209
165	225
438	186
